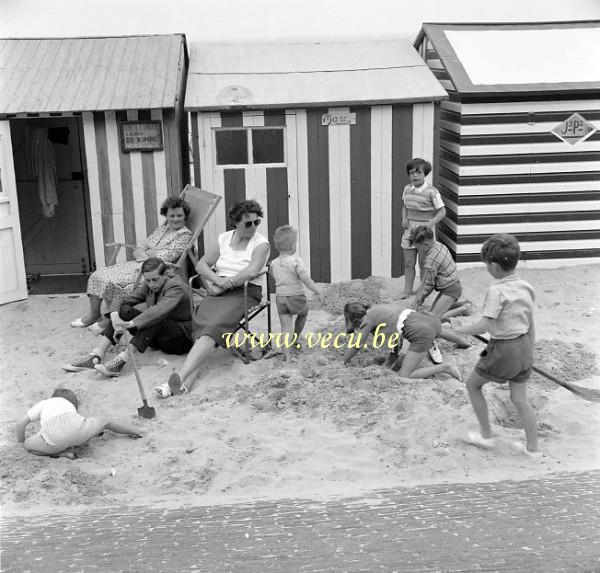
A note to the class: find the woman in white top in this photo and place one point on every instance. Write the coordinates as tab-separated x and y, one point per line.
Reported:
240	256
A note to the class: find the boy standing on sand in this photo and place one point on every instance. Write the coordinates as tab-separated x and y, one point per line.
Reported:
422	205
508	357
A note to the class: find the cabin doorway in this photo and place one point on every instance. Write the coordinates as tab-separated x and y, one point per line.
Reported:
54	210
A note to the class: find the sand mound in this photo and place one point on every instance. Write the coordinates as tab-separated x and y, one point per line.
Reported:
305	427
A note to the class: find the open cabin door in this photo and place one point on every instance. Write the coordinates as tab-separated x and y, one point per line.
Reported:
13	283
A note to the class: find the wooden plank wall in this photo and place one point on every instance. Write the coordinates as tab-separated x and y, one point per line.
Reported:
502	170
127	189
341	186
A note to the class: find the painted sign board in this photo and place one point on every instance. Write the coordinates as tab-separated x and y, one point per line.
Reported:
141	135
574	129
338	118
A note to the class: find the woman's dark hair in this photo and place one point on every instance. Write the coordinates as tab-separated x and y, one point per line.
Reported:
502	249
242	208
174	203
417	163
152	264
67	395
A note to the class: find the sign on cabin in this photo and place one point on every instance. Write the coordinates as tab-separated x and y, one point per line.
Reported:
574	129
141	135
338	118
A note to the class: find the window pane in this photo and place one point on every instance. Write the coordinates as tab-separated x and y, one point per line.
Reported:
267	145
232	148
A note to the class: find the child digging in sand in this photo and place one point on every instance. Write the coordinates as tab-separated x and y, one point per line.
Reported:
62	427
290	276
508	357
397	322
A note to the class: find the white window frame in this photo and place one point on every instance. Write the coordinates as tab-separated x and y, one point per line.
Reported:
250	163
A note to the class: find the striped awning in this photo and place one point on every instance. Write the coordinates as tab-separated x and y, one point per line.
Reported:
90	74
225	76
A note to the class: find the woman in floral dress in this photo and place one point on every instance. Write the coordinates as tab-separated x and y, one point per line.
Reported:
167	242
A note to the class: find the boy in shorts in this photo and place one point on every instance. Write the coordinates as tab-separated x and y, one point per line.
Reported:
440	274
290	277
396	322
422	205
508	357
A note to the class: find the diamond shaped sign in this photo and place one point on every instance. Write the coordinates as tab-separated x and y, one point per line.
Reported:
574	129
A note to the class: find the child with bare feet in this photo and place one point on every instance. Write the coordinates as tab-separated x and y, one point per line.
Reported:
422	205
508	357
290	276
396	322
62	427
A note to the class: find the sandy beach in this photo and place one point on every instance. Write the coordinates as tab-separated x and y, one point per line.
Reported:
308	427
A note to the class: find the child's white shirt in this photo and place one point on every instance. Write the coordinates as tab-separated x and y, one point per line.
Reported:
289	272
49	408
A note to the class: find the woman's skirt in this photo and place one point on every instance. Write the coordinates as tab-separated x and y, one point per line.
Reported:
218	315
114	281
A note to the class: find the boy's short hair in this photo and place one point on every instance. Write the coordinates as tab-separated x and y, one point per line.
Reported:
418	163
422	233
284	238
353	312
67	395
153	263
502	249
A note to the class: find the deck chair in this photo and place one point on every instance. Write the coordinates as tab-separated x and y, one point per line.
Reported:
202	205
245	353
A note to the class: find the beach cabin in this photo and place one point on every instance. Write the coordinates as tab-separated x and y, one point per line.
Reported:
92	140
519	146
319	134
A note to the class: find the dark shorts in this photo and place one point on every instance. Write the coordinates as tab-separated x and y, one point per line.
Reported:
506	360
421	330
294	304
454	290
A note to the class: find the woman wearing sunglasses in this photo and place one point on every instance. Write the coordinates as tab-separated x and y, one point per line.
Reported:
240	255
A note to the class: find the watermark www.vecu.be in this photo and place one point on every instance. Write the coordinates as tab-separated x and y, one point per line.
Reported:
324	340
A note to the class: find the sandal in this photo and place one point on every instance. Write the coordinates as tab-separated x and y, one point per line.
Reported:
163	390
175	383
78	323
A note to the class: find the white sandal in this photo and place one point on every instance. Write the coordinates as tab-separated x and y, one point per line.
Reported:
163	390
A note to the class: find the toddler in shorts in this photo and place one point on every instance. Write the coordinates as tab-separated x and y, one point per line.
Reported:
62	427
291	276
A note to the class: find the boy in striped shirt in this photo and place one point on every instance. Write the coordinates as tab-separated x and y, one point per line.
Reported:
422	204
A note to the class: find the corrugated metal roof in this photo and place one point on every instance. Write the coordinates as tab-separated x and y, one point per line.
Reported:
88	74
307	74
489	59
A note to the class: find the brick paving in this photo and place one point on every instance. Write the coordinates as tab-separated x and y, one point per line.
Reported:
545	525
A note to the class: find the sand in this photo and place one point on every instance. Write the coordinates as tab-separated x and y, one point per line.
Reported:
309	427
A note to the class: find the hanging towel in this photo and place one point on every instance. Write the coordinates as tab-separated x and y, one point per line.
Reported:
44	167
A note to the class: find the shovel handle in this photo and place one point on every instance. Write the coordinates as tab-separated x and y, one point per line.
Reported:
137	373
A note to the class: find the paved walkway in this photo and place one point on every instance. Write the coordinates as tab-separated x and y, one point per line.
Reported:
547	525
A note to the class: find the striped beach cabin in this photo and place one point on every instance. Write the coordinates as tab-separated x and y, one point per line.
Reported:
319	134
519	146
106	114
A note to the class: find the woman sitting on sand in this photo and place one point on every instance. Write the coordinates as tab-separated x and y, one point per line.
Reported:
239	256
62	427
420	328
167	242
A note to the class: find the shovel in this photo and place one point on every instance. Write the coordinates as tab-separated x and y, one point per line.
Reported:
144	411
588	394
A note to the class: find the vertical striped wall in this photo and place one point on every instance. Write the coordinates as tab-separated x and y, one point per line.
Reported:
341	186
127	189
502	170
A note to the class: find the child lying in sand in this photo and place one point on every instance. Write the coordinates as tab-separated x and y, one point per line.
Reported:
62	427
420	328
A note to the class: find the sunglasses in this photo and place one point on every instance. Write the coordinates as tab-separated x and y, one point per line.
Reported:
249	224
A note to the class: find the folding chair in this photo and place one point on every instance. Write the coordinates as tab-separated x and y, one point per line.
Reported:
250	313
202	205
